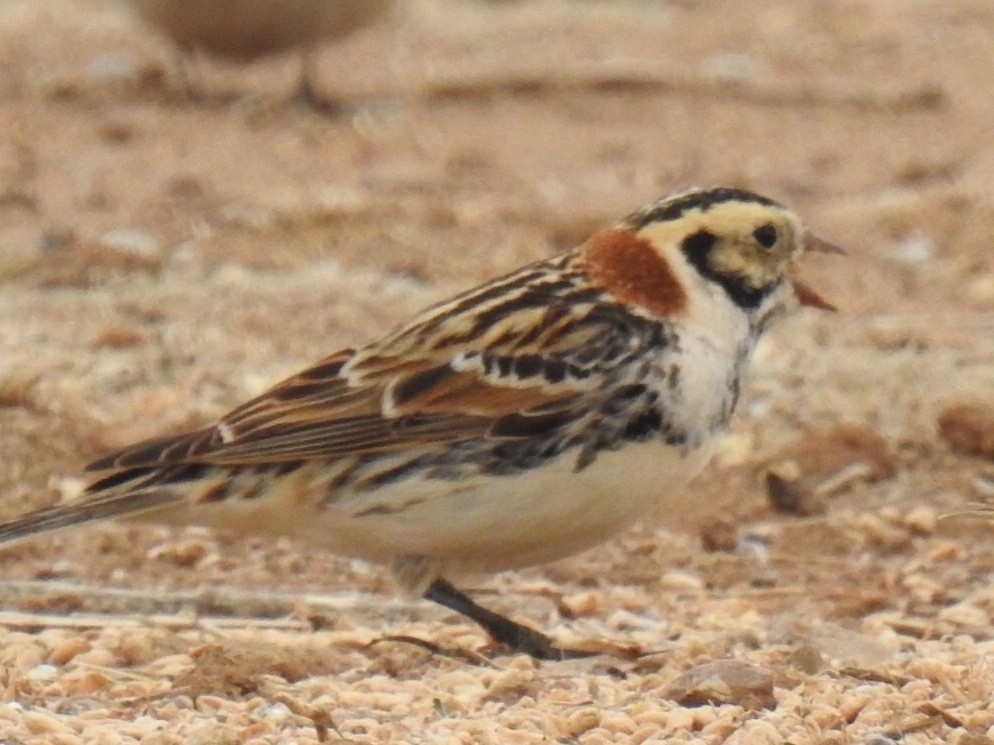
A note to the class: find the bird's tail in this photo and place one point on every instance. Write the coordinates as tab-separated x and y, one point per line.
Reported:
98	506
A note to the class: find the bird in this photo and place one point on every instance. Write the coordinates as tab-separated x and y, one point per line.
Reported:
517	423
246	30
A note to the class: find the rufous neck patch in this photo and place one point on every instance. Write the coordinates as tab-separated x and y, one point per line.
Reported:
631	270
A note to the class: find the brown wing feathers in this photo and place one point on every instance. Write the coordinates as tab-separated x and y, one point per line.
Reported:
96	507
436	404
407	392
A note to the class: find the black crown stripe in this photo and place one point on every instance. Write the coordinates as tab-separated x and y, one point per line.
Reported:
675	207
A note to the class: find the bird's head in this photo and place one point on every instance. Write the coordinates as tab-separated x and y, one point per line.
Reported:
724	240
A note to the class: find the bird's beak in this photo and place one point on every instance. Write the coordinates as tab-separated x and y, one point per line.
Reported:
812	242
805	294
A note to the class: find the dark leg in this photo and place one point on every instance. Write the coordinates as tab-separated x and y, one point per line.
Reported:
513	635
307	91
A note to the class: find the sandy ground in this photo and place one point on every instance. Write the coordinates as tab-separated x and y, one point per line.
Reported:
161	260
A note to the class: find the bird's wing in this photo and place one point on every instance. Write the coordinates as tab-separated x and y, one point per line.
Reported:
446	377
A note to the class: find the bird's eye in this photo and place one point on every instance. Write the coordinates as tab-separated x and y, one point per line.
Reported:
765	235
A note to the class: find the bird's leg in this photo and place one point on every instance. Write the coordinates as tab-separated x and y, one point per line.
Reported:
191	80
307	90
513	635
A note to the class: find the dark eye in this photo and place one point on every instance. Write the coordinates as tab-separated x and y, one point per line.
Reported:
765	235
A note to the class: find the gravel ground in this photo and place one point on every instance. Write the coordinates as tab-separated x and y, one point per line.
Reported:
162	259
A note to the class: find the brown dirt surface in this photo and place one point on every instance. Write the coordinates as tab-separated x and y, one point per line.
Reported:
162	259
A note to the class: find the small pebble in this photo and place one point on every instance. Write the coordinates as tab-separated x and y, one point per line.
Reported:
43	673
724	681
138	242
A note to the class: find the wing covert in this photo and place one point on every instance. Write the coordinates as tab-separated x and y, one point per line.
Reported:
434	381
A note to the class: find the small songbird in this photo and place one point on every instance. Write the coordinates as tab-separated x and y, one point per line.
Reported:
520	422
245	30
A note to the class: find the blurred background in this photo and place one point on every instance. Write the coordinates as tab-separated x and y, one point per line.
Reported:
179	229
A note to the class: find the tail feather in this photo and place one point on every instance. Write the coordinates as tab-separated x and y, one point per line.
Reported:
121	493
98	507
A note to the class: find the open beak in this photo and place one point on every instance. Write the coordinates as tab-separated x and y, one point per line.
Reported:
805	294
